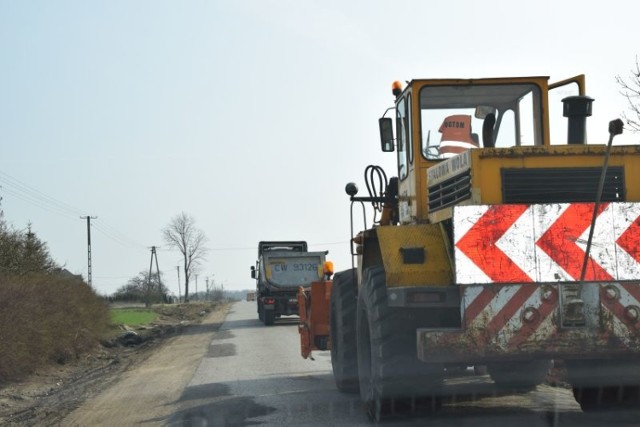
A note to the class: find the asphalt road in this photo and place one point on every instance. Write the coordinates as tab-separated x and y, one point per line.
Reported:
241	373
254	375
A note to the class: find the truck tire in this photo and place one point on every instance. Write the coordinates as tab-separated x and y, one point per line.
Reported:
392	379
269	317
260	311
522	376
344	356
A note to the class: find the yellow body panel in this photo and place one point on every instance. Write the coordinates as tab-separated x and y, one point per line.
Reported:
436	269
486	165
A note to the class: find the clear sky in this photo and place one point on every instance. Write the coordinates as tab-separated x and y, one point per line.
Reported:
249	115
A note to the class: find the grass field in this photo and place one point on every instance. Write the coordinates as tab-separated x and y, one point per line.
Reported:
132	316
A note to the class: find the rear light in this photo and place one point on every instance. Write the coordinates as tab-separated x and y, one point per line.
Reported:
269	301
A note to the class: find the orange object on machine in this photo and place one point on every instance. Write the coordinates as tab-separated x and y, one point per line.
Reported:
313	308
456	135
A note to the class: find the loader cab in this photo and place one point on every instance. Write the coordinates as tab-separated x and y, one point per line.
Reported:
439	119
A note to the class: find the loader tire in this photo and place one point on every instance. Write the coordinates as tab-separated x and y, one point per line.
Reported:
605	384
344	350
392	379
520	376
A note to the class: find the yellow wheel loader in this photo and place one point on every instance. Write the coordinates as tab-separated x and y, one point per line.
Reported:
496	246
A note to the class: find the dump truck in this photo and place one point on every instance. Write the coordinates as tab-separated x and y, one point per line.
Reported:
281	268
251	296
495	246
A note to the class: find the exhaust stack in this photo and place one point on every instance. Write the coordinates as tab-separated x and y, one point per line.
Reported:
577	109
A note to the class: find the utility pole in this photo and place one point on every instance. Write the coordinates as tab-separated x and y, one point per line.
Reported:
207	297
196	286
89	218
179	294
154	254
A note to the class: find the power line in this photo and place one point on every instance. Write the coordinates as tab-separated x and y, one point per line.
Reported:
116	236
31	194
253	248
26	193
37	203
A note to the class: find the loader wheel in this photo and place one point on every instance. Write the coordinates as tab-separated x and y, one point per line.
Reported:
590	398
392	379
605	384
607	398
521	376
344	350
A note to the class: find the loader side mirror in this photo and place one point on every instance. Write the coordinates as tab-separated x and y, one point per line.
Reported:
253	272
482	111
386	134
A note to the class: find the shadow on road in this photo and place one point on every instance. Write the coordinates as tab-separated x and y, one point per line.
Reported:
315	401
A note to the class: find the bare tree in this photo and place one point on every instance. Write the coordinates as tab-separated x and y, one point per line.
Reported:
182	234
631	91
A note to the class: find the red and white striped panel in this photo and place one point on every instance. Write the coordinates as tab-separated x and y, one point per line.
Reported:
511	315
621	311
546	243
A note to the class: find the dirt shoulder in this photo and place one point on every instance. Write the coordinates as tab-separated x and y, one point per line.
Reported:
51	394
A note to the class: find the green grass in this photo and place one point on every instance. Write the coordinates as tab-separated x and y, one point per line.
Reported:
132	317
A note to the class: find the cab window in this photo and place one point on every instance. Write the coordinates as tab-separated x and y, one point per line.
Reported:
410	128
457	118
403	132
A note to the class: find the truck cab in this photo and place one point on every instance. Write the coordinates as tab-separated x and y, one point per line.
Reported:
281	268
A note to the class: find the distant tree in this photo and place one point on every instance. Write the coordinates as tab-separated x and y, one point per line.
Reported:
10	250
141	289
3	224
631	90
22	252
35	256
217	294
130	292
182	234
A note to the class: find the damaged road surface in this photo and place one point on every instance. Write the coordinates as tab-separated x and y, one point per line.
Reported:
252	374
243	373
